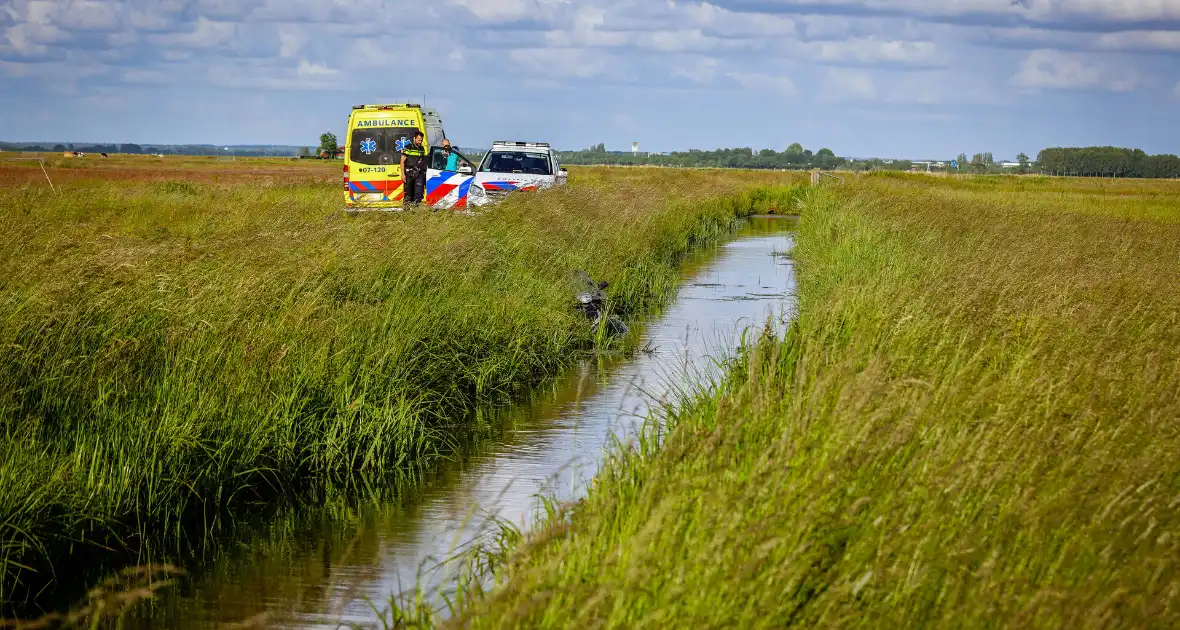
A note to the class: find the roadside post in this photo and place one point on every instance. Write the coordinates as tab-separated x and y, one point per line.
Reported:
38	160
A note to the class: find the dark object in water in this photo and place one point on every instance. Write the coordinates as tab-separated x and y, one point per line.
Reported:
591	300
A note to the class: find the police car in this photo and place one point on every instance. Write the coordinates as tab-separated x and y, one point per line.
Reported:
515	166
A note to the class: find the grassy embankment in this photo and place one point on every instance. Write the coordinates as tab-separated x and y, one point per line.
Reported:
974	422
174	350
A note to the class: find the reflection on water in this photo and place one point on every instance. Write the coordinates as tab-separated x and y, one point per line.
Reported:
320	568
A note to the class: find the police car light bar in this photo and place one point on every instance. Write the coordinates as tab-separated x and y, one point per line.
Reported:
522	144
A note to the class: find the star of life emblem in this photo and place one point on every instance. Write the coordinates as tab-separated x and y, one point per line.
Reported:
402	143
368	146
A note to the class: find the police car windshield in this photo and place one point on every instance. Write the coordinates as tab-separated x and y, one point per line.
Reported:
379	146
517	162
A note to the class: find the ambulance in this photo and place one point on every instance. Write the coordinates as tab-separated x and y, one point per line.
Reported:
376	136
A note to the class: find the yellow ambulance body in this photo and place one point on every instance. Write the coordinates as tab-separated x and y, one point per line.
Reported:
376	136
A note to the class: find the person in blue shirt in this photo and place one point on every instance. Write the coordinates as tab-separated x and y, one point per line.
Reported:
452	157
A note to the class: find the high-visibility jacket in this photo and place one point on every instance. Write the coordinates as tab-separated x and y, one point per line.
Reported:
415	159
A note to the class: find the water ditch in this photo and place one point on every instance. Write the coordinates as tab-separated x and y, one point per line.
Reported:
322	568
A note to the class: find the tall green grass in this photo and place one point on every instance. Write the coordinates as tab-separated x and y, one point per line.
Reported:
174	352
973	422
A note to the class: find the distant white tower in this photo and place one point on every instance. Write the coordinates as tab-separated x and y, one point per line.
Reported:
635	148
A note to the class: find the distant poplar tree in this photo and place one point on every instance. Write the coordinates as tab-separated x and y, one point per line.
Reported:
1024	163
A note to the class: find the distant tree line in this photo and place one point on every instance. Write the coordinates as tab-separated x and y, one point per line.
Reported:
794	157
136	149
1107	162
1078	161
1083	161
985	163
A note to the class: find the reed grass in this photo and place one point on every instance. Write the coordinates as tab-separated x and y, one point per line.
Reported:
974	422
175	352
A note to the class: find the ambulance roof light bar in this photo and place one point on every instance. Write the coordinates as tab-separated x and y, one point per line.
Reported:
389	106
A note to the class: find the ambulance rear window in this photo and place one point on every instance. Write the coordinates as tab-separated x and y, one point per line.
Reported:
381	145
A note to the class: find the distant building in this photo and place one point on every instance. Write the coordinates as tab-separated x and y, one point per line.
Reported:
1009	164
927	166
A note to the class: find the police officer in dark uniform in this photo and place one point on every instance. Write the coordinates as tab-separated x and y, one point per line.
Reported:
414	170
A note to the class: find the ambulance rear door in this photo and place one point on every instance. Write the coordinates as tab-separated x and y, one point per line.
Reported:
376	139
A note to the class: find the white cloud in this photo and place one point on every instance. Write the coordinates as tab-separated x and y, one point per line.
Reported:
584	36
587	30
664	27
307	75
825	26
509	10
309	70
744	25
765	82
87	15
702	71
368	53
1122	10
1043	11
152	77
1072	71
873	50
205	34
150	19
41	12
678	41
176	55
560	62
291	39
1141	40
79	15
22	41
664	41
842	84
1134	40
34	38
1027	37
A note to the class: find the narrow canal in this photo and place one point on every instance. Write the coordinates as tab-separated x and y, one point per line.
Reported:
330	567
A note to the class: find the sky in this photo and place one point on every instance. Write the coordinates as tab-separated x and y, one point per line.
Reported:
890	78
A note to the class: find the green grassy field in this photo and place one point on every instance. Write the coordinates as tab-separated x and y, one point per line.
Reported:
184	341
973	422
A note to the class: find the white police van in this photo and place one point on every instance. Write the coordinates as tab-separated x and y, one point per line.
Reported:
515	167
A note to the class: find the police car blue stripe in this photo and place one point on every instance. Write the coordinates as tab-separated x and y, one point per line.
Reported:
435	182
